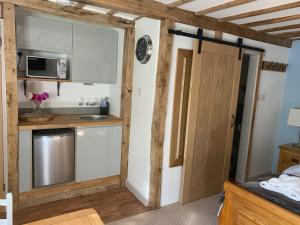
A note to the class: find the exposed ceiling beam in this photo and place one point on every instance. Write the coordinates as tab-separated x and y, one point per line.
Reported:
137	18
289	34
111	12
178	3
153	9
271	21
262	11
273	29
71	12
157	10
223	6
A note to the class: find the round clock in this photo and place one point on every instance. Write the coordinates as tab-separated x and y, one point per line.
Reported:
143	49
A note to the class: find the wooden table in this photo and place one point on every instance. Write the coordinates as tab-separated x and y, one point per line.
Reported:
83	217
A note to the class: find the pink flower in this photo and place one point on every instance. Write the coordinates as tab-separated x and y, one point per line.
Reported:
40	97
45	95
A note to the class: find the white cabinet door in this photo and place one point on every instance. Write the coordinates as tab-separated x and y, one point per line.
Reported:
39	33
95	53
98	152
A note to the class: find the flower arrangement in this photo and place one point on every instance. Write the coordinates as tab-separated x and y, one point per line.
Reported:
37	99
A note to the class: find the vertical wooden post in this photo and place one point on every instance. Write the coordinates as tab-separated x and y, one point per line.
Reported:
128	63
159	112
12	96
1	128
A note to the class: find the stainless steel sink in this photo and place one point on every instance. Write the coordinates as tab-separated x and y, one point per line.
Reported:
94	117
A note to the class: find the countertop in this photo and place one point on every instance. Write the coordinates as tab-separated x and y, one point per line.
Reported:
68	121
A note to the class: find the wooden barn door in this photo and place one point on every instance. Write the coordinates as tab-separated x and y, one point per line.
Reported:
210	121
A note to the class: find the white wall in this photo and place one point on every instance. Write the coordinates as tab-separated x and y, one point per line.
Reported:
144	78
267	113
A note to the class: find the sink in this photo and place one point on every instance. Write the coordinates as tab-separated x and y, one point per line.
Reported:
94	117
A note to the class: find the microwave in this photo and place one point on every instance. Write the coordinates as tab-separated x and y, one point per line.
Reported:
42	67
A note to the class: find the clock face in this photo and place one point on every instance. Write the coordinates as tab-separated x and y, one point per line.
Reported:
144	49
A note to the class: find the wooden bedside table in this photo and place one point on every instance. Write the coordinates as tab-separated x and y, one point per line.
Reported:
289	156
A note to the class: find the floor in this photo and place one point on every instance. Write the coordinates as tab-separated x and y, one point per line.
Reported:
202	212
111	205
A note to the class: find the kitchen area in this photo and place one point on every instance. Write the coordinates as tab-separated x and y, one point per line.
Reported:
69	107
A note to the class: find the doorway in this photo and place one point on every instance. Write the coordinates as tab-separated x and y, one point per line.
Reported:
239	116
246	127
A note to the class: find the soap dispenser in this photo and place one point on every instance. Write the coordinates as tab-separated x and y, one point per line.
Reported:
104	106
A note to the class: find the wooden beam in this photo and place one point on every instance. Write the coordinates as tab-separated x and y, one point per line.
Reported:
271	21
76	13
219	35
159	112
11	96
293	34
223	6
178	3
137	18
273	29
126	98
2	195
111	12
262	11
157	10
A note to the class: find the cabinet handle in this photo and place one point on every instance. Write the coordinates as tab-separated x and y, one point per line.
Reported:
295	161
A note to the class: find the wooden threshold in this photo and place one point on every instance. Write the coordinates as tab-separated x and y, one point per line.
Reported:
64	191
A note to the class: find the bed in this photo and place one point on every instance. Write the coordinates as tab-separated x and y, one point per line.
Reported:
251	205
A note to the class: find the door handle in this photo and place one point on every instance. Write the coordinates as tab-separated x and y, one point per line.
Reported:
232	121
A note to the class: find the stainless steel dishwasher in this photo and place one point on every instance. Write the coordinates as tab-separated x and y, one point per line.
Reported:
53	157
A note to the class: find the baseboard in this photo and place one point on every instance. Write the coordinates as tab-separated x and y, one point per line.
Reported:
256	178
137	194
64	191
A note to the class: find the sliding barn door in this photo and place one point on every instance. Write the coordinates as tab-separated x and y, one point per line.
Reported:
210	121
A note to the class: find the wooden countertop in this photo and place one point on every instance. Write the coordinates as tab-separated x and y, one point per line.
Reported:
68	121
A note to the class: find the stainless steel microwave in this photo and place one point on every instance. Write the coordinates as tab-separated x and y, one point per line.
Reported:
42	67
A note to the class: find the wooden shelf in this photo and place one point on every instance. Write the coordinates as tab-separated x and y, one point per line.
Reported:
42	79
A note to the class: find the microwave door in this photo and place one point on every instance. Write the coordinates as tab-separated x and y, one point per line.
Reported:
41	67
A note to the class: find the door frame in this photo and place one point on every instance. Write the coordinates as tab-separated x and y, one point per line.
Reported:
252	126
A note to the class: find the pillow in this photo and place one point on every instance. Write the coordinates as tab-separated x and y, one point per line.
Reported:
294	171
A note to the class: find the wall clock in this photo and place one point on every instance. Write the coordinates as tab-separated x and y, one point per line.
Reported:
143	49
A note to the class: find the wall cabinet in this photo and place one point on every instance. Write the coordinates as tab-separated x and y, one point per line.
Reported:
98	152
95	53
93	50
39	33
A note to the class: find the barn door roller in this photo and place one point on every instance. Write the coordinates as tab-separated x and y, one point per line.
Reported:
239	44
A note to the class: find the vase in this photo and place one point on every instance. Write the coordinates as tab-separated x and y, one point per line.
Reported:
37	107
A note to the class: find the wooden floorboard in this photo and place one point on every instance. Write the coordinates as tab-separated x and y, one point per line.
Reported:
111	205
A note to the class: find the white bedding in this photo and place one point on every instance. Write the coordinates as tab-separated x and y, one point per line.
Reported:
287	184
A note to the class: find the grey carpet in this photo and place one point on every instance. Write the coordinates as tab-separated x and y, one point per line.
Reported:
202	212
